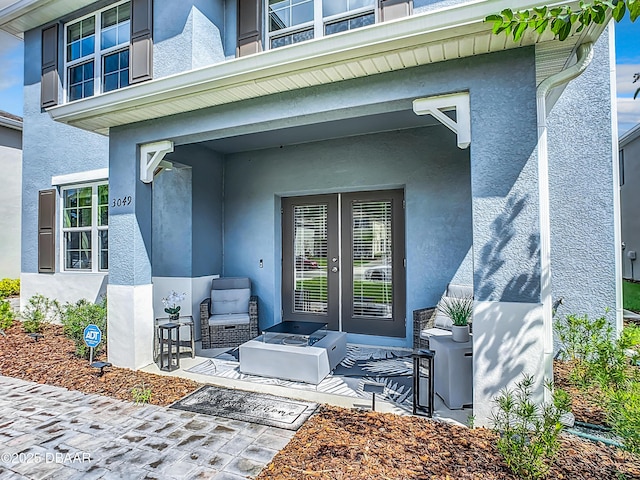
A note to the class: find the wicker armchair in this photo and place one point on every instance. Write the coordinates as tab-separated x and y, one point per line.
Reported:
428	321
232	318
422	320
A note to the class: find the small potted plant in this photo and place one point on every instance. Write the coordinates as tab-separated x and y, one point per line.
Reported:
459	310
171	304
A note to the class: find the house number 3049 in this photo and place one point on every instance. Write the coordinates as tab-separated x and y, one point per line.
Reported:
121	202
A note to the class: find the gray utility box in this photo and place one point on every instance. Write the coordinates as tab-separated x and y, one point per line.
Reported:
453	376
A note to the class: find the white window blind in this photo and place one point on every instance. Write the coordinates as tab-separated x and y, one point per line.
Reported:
372	258
310	258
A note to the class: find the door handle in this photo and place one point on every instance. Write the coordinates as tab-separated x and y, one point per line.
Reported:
334	269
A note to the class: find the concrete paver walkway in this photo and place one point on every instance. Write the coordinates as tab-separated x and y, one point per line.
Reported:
50	432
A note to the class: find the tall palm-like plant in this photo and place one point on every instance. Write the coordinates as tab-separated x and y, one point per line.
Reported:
458	309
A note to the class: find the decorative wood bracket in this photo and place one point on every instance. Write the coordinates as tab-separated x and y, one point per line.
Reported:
151	154
436	106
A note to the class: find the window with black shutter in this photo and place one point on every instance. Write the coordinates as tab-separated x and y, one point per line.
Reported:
249	27
141	51
49	81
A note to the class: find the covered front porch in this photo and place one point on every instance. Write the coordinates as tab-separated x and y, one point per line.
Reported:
470	214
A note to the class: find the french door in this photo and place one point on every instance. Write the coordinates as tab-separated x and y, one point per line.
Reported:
343	261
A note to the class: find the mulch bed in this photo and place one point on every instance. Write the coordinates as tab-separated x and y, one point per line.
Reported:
583	403
52	360
340	444
335	443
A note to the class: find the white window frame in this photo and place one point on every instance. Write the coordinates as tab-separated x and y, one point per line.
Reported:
97	56
318	22
94	229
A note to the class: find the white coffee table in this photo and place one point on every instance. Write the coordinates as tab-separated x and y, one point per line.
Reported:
293	361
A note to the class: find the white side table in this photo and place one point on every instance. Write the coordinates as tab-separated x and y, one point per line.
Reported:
453	376
186	334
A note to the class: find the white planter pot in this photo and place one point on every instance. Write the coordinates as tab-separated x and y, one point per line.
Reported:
460	333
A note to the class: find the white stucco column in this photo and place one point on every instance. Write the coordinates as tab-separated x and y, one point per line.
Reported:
130	324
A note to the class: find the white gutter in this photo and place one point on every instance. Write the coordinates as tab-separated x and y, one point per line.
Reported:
615	155
585	55
10	123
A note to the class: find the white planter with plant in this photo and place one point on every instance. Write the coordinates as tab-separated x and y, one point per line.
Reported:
460	311
171	304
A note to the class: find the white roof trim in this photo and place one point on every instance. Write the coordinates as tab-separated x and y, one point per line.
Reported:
80	177
10	123
629	136
415	40
24	15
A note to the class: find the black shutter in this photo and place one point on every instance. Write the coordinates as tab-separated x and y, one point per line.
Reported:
249	27
392	9
141	49
49	80
47	231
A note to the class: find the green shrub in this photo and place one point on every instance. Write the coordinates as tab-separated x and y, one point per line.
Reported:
623	414
141	394
39	311
529	432
6	315
598	356
612	364
76	317
9	287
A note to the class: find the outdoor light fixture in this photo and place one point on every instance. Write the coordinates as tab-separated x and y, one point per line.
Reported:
423	382
35	336
101	366
165	165
373	387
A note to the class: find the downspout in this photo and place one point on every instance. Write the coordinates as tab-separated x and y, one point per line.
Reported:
584	57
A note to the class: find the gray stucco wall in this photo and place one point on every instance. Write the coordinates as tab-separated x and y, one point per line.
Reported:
505	184
582	189
190	34
630	207
49	148
188	214
208	223
10	201
172	223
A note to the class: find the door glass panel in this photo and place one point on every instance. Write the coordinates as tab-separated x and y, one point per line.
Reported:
372	259
310	258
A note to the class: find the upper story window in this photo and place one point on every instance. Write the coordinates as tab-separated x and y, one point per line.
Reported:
293	21
97	52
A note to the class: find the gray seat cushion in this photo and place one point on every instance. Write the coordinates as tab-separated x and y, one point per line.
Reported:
459	291
229	319
442	321
227	283
235	300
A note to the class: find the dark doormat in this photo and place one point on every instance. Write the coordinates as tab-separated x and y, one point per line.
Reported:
250	407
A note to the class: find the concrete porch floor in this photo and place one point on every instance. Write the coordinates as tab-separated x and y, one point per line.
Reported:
441	412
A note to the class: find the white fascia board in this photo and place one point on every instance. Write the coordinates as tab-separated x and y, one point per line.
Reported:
80	177
10	123
441	25
629	136
24	15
